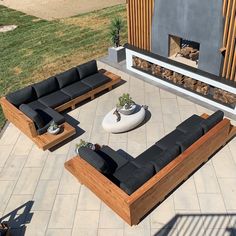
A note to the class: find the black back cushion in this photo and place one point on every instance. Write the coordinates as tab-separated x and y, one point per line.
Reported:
33	115
46	86
68	77
137	179
212	120
87	69
189	138
94	159
21	96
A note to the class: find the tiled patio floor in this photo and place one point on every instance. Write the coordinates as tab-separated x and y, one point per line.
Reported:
55	204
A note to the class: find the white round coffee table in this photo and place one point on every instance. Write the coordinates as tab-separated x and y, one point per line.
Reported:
126	123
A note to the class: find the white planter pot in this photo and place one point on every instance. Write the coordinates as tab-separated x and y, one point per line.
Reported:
128	111
116	54
54	132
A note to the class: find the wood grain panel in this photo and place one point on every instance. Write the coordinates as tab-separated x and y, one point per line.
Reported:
140	14
229	42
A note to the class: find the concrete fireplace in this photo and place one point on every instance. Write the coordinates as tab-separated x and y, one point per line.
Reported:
197	21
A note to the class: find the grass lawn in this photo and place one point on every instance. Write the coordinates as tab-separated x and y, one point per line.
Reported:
38	48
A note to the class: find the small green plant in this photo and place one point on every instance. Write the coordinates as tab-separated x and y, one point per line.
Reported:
125	101
53	125
116	26
82	143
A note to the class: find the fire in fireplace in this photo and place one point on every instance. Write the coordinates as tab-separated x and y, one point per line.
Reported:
184	51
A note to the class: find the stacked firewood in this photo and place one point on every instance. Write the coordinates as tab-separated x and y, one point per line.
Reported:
167	74
142	64
224	96
156	70
189	83
177	78
189	53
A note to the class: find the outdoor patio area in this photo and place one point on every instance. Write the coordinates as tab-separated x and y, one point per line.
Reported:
39	197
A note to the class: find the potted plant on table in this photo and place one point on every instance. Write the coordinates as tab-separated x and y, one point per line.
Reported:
53	128
83	143
117	52
126	105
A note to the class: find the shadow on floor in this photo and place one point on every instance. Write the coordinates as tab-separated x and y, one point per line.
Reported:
75	123
200	224
18	218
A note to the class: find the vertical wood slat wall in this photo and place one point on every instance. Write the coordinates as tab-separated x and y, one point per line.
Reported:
229	41
140	14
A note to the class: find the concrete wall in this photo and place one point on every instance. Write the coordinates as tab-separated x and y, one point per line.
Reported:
196	20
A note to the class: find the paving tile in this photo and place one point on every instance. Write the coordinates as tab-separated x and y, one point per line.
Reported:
205	179
184	102
88	201
85	220
63	212
4	154
45	195
215	232
84	232
22	146
120	138
228	188
36	158
110	232
153	99
118	146
53	167
18	201
155	131
27	181
38	223
189	222
185	197
164	232
166	94
211	203
68	184
59	232
171	121
223	164
169	106
232	147
143	228
156	114
163	215
5	193
12	168
109	219
10	135
187	111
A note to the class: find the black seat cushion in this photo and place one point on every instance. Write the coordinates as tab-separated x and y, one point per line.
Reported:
122	173
76	89
115	156
96	80
150	155
189	138
54	99
169	140
21	96
212	120
68	77
36	105
137	179
87	69
192	122
95	160
33	115
46	86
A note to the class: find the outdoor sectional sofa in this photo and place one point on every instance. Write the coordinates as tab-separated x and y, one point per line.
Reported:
132	187
32	108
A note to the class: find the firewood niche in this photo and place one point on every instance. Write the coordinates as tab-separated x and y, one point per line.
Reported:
201	88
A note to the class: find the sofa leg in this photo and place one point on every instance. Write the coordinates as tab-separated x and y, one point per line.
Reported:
73	107
92	97
110	88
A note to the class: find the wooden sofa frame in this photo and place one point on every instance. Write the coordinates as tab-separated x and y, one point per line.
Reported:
46	141
133	208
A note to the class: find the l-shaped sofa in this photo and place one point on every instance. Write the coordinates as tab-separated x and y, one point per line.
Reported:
32	108
132	187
